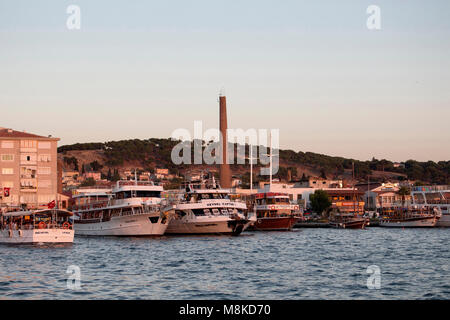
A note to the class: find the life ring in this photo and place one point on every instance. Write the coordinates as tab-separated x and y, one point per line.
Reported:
272	208
259	221
66	225
42	225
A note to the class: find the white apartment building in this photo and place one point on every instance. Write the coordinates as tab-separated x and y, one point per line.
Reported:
28	168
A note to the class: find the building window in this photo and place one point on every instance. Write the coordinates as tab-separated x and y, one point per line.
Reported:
44	145
7	171
28	198
44	158
7	157
44	170
28	158
28	183
7	144
28	172
28	143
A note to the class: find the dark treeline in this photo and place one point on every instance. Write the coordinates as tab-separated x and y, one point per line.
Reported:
159	151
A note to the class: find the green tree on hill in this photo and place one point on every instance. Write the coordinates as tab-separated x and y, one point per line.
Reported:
89	182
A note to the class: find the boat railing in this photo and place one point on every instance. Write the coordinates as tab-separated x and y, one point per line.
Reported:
121	183
37	226
440	201
431	188
145	209
91	205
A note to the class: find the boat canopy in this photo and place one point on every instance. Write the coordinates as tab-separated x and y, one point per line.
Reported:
44	212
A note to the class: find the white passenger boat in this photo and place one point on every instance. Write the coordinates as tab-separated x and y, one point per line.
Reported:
413	217
131	208
434	196
36	226
208	209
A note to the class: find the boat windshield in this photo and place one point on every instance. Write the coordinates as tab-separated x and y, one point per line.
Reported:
207	196
138	194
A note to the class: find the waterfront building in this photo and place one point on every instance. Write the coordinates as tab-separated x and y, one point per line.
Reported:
382	195
317	182
28	169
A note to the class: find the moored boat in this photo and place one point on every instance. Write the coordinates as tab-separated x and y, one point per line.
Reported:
274	212
132	208
413	217
205	208
433	196
36	226
348	221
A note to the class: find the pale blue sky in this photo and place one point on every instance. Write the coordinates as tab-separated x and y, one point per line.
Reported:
140	69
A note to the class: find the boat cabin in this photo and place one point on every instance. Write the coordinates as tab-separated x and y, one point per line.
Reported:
39	219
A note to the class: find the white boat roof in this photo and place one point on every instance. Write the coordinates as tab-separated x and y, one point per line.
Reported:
91	194
127	185
36	212
138	188
210	191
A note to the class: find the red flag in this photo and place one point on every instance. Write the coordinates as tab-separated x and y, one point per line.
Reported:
6	192
51	204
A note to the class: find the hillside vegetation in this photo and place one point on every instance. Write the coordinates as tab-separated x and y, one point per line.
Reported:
151	153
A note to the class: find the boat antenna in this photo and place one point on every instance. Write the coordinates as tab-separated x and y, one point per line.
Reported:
353	180
270	159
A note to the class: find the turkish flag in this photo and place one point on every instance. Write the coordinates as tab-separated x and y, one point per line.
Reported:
6	192
51	204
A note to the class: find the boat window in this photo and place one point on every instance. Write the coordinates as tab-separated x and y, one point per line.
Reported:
181	213
215	211
207	212
224	211
198	212
154	219
148	194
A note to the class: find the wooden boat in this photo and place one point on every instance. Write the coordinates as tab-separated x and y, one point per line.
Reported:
348	221
423	217
351	219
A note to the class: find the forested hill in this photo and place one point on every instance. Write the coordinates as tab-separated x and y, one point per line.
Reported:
151	153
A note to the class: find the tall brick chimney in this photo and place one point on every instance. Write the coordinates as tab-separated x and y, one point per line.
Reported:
225	172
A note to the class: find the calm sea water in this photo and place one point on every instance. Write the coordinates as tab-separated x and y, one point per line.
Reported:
302	264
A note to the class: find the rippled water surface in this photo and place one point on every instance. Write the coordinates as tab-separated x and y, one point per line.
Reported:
302	264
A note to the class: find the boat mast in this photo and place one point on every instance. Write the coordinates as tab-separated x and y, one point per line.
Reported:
270	160
353	178
251	167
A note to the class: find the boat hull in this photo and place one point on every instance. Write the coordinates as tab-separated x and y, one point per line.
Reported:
37	236
444	221
275	224
133	225
351	224
208	225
